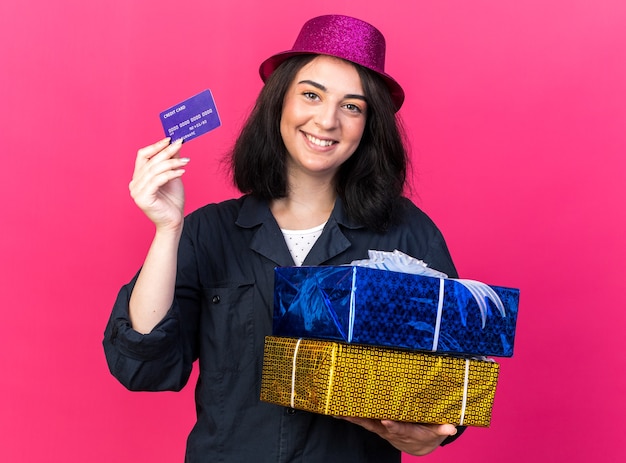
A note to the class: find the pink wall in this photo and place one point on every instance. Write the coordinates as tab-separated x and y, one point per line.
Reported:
517	114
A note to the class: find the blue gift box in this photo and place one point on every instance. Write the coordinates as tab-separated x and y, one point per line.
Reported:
385	308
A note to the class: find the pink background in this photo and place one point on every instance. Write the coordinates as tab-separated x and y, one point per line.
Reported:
517	116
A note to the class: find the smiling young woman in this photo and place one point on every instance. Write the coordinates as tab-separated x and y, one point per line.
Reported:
322	166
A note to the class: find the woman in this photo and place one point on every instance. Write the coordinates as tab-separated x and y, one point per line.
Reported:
322	166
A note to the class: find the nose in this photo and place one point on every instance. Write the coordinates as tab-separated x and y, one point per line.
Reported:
326	116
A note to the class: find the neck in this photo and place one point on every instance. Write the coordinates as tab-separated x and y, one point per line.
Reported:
304	207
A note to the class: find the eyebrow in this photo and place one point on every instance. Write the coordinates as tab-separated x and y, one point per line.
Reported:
324	89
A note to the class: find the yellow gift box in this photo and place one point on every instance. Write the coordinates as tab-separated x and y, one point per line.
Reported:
342	379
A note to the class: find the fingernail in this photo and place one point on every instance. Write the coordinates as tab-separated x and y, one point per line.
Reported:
184	160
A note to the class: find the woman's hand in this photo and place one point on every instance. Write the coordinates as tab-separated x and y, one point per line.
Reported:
412	438
158	190
156	186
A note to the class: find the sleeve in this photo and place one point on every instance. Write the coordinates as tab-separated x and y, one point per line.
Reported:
162	359
426	240
438	256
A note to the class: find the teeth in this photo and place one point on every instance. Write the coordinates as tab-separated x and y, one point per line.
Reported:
319	142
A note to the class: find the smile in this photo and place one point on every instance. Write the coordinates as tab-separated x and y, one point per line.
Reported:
318	141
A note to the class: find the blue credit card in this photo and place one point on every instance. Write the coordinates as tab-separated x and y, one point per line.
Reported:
191	118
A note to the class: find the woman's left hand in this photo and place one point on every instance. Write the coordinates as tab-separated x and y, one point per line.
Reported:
412	438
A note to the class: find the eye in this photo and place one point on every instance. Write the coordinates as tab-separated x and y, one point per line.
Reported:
353	108
311	96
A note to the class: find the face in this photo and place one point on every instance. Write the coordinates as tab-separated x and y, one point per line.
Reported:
323	118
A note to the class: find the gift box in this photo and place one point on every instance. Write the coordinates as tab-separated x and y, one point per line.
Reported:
370	306
340	379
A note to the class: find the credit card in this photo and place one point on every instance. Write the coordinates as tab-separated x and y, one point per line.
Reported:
191	118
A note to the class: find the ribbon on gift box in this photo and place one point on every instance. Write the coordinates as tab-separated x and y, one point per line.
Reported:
292	399
398	261
465	386
293	373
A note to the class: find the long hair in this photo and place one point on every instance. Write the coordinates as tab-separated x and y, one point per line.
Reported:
373	178
369	183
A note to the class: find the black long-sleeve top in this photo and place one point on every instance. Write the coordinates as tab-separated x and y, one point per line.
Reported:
222	312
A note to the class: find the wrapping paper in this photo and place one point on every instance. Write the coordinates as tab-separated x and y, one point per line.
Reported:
386	308
342	379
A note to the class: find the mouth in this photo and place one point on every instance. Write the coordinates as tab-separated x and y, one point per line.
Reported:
319	141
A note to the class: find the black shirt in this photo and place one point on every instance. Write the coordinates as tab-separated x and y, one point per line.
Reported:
222	312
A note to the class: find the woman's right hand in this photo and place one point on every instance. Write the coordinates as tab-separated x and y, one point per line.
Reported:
157	187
